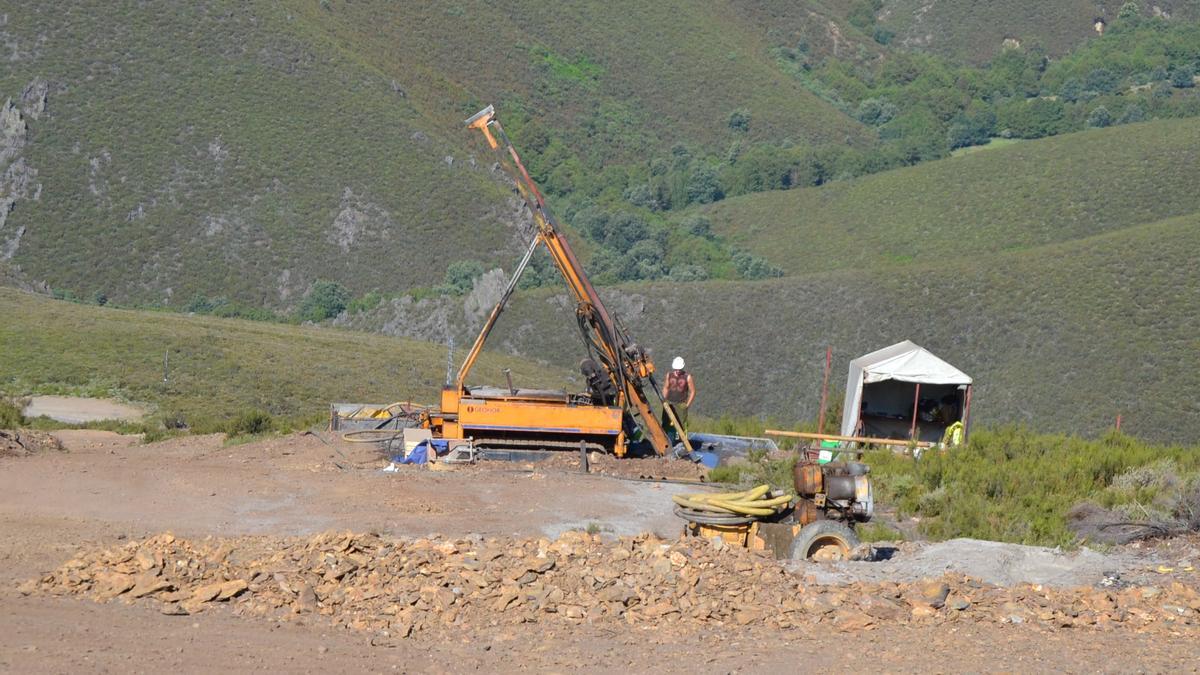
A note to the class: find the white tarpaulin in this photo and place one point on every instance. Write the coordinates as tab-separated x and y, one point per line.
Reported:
903	362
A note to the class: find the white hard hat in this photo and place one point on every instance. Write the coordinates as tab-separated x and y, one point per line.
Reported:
677	364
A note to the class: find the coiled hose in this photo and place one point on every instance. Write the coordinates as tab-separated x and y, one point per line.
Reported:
729	508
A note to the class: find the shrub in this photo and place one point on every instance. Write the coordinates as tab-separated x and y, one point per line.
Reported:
1101	80
750	266
688	272
1099	117
1183	77
365	303
11	413
875	112
1129	10
703	186
250	422
461	275
699	226
739	120
325	300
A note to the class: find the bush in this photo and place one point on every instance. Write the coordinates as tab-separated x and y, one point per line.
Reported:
750	266
703	187
739	120
1101	80
461	275
1014	485
688	272
1183	77
875	112
365	303
250	422
1099	118
325	300
11	413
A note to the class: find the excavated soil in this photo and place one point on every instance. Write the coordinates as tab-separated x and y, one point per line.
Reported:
299	554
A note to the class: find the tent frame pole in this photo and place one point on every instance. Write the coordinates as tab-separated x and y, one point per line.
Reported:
967	414
912	433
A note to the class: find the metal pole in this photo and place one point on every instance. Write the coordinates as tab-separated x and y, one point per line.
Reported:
967	415
912	433
825	390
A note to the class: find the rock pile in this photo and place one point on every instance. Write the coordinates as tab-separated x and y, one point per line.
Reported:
396	588
24	442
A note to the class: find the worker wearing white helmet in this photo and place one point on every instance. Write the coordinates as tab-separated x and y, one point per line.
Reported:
678	394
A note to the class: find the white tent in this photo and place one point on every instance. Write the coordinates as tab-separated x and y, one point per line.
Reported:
902	362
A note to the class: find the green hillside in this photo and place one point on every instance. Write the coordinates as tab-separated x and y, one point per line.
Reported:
1014	197
217	368
977	30
1063	337
247	149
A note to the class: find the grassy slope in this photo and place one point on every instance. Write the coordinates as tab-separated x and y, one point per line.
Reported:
1013	197
975	30
1063	337
218	367
619	79
210	147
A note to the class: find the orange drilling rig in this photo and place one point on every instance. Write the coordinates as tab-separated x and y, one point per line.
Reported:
616	408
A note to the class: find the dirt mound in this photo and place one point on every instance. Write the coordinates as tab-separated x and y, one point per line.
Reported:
396	588
23	442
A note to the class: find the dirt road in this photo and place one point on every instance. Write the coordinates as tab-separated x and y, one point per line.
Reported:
107	489
78	410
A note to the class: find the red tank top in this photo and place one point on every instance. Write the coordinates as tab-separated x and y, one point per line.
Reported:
677	386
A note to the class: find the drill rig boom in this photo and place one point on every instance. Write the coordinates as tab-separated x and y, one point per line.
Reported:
619	373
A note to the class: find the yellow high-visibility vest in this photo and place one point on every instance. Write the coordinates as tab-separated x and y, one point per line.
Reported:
953	435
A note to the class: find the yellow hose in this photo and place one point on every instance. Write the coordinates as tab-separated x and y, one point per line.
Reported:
745	503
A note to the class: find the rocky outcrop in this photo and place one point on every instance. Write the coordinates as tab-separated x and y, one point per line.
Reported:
18	180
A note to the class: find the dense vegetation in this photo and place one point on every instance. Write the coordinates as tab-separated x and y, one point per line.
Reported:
1016	197
977	31
218	372
1014	485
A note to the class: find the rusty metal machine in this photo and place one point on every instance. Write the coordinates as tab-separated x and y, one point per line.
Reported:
619	372
817	523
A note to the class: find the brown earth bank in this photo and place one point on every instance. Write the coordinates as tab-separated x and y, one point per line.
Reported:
298	554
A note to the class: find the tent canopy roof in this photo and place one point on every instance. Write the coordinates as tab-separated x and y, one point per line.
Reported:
904	362
907	362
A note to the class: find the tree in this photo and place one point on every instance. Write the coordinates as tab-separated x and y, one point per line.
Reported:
1099	118
1071	90
1183	77
1101	80
623	230
703	186
1129	10
461	275
739	120
325	300
875	112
